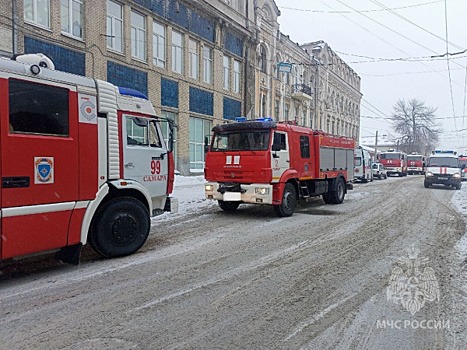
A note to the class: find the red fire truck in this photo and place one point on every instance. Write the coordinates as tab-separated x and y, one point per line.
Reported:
265	162
81	161
416	164
394	161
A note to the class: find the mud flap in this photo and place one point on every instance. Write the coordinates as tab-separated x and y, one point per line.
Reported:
70	254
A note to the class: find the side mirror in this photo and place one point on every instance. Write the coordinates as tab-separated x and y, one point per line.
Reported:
276	147
206	144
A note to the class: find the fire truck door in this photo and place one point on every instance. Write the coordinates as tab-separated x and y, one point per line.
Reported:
145	156
280	157
39	166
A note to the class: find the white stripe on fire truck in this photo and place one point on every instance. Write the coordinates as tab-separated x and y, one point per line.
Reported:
43	208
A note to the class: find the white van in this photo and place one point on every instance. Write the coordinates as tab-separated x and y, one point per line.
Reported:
362	165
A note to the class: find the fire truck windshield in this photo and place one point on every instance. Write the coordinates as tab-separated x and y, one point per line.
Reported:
251	140
390	156
449	162
414	158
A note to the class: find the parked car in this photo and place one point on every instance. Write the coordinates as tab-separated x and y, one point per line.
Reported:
379	171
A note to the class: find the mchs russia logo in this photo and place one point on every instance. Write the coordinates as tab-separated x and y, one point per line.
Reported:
412	282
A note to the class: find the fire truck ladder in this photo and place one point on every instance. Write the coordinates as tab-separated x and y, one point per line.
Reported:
304	190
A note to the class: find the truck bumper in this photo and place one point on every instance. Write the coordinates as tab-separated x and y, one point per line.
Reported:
440	180
251	193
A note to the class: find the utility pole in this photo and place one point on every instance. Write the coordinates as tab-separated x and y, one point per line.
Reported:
376	146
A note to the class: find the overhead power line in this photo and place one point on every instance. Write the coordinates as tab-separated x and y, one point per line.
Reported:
362	11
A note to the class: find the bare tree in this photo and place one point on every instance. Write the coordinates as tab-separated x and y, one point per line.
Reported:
415	123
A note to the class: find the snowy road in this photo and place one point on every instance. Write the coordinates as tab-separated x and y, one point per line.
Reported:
248	280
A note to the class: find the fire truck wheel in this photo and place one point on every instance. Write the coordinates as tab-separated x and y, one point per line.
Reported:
228	206
336	192
289	201
120	227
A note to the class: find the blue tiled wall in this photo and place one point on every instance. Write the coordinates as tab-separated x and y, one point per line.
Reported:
127	77
232	108
233	44
64	59
169	93
201	101
177	12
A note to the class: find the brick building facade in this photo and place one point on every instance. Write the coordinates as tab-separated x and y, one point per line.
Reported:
200	62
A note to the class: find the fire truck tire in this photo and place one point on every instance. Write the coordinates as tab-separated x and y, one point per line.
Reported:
289	201
120	227
336	192
228	206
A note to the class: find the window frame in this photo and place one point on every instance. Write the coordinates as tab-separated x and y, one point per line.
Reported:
237	71
177	53
159	51
71	18
34	4
226	71
208	65
138	36
193	53
115	22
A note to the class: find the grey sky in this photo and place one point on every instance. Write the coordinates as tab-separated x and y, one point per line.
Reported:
391	51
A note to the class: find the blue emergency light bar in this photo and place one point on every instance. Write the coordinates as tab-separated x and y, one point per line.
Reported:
439	151
131	92
243	119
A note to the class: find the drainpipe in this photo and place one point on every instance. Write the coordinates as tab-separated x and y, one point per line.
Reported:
14	29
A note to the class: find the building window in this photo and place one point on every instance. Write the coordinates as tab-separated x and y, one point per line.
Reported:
138	36
194	59
114	26
262	59
177	52
199	129
38	12
207	64
286	112
158	45
236	82
276	109
226	65
72	17
263	105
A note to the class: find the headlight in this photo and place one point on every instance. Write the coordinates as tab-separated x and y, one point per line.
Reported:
456	176
209	188
261	190
429	174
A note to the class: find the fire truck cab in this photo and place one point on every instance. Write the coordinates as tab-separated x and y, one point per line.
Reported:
81	161
394	161
416	164
443	168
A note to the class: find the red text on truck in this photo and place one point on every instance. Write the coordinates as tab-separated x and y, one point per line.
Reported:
394	161
81	161
265	162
